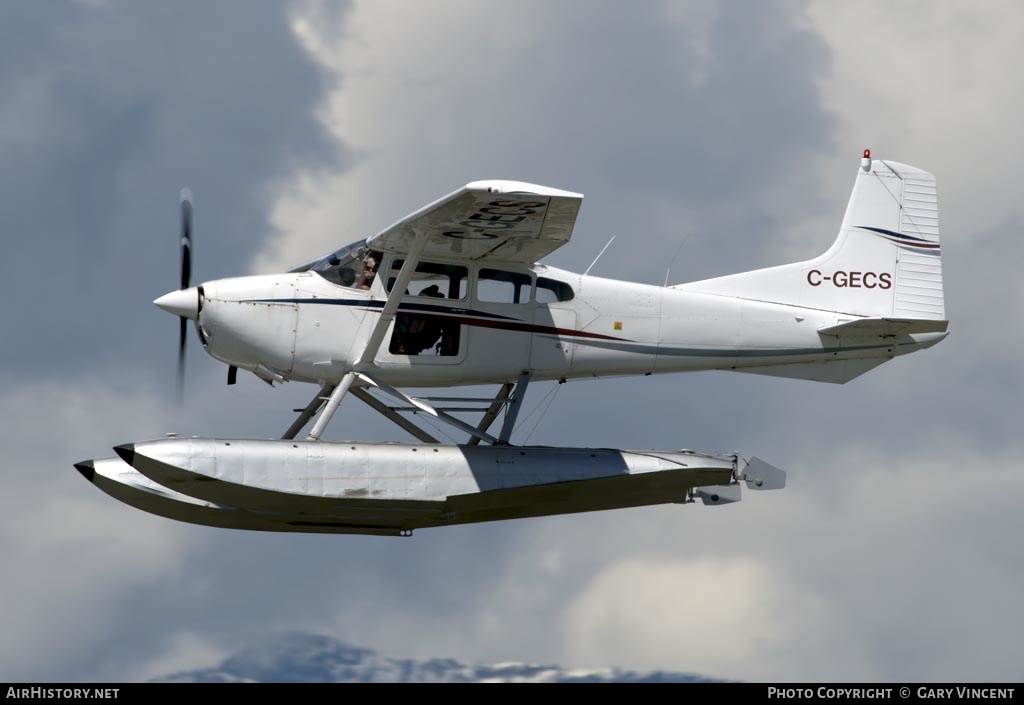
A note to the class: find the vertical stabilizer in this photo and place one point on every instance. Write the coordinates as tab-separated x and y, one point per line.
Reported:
886	262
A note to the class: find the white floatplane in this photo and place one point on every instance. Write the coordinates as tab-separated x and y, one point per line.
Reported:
454	295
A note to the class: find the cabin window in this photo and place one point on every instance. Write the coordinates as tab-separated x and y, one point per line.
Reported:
425	333
423	329
501	287
433	280
550	291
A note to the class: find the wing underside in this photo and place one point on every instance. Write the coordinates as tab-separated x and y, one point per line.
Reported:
507	221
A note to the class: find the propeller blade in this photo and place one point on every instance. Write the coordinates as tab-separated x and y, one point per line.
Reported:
182	334
186	280
186	238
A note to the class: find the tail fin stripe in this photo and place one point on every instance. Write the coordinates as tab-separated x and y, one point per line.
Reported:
902	239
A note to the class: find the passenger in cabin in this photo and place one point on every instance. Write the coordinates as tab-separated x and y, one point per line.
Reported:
416	334
427	329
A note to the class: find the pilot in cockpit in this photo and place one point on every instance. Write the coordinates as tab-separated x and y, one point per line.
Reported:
369	272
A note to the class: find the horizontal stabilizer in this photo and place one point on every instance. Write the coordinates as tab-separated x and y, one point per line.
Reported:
719	494
833	371
884	327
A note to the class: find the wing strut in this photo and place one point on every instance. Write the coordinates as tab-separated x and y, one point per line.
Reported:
394	300
373	343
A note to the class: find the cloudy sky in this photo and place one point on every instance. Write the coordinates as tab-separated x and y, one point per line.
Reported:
733	130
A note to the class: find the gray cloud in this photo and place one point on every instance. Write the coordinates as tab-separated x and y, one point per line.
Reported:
106	111
626	107
109	110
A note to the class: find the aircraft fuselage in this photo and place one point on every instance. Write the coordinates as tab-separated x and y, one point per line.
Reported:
498	321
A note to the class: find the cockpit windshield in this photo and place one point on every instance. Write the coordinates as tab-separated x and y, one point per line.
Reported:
353	266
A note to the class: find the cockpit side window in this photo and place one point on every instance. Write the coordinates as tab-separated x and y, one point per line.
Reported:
354	266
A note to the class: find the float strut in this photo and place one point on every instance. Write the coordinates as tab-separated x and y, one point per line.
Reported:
332	405
512	410
308	413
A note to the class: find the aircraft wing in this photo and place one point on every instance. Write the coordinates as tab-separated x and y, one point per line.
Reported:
506	221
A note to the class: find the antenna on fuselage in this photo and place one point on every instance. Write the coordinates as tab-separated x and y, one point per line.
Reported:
598	257
673	260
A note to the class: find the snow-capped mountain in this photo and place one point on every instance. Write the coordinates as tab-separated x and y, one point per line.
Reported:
304	658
